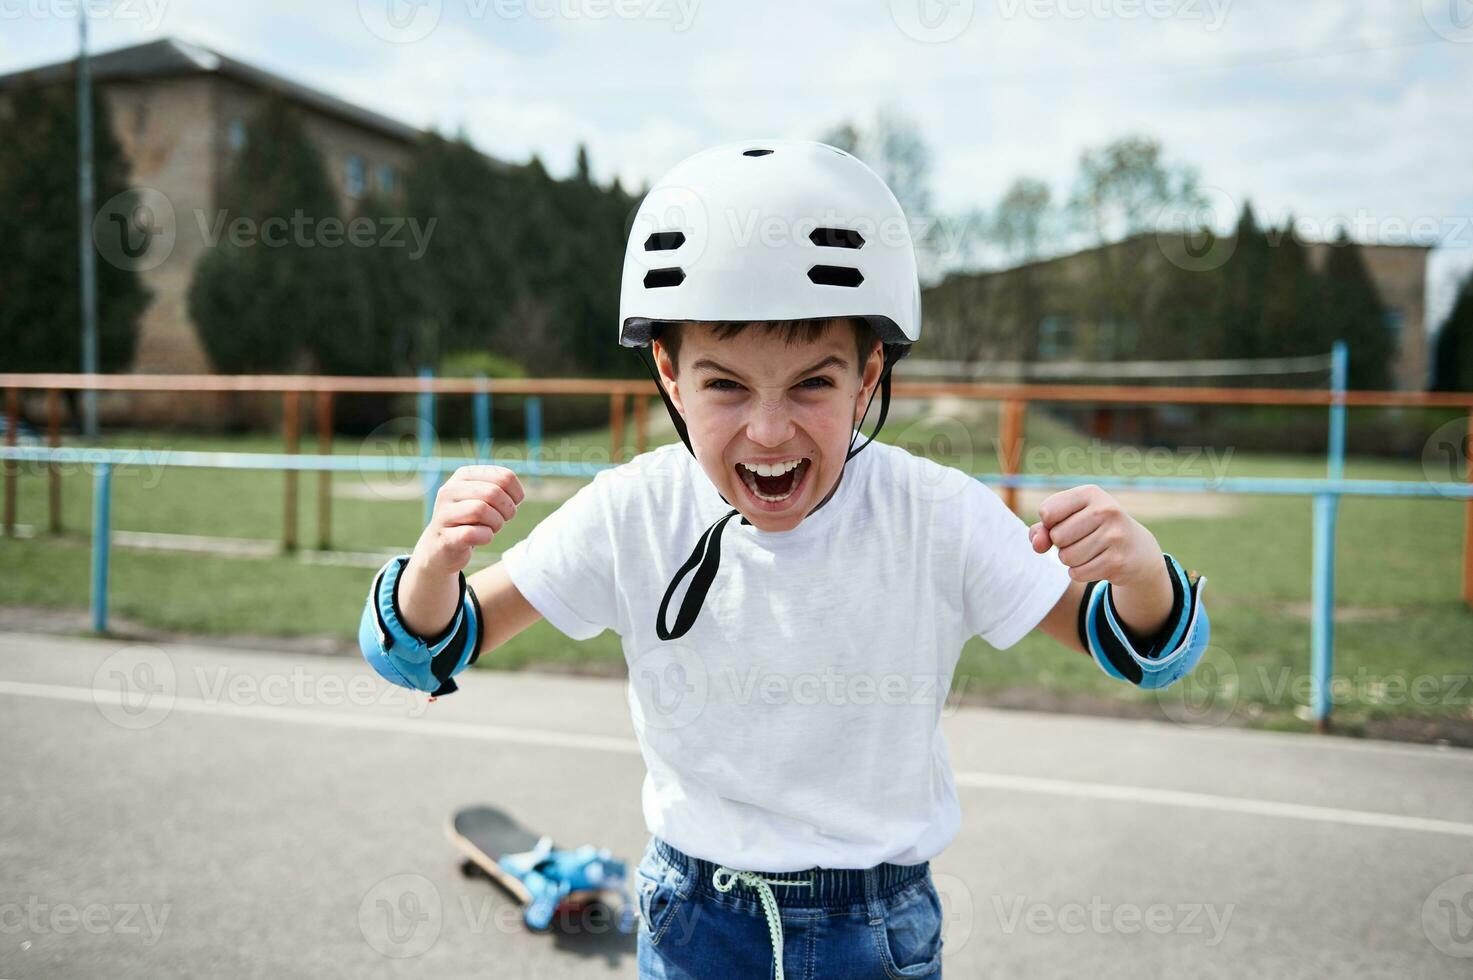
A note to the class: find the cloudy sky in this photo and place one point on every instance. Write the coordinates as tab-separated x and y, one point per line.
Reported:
1355	110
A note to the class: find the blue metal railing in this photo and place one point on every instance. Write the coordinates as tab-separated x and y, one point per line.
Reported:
431	469
1326	494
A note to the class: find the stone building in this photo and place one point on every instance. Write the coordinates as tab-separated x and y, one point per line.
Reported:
179	111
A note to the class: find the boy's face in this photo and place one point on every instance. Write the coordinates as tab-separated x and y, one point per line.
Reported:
770	421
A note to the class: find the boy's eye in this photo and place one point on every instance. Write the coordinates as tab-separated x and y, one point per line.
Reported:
726	385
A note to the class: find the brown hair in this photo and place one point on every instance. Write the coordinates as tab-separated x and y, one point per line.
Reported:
791	331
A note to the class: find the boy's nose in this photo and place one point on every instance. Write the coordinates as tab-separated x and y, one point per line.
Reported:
770	425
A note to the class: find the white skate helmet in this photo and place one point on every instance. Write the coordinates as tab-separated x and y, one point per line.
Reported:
770	230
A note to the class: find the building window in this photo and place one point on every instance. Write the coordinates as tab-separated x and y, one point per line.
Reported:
388	179
235	134
1055	336
355	176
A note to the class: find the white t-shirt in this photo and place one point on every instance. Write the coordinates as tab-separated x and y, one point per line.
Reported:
797	723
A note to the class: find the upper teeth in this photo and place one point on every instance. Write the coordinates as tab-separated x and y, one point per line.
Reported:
773	469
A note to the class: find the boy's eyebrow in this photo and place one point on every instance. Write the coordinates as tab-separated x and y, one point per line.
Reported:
833	360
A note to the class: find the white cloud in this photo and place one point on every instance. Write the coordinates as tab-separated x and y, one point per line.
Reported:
1317	109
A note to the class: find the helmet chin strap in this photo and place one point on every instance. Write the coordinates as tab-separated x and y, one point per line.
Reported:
705	560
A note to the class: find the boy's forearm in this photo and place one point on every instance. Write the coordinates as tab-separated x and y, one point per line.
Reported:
427	601
1145	603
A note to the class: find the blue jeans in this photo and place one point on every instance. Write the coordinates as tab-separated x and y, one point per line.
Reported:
876	922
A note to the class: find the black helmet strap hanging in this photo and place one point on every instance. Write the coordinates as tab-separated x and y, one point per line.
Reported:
705	560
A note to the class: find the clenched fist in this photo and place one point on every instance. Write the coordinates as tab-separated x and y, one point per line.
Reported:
470	509
1096	538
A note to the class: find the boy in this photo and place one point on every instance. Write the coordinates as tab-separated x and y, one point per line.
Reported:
787	675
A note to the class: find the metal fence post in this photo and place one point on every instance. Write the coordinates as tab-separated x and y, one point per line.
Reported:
534	433
12	424
1468	514
324	477
1322	586
53	475
481	403
102	489
293	423
426	443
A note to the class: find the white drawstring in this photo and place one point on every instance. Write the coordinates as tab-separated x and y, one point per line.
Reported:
724	878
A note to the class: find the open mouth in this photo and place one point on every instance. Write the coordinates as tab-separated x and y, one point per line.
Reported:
774	483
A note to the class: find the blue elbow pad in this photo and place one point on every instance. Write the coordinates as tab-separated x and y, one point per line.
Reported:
402	657
1166	658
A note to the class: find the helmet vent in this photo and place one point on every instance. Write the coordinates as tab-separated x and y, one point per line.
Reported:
836	237
663	241
835	275
656	278
755	153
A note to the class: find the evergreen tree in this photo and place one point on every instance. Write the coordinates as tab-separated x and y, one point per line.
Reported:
1351	310
392	277
520	264
584	174
466	276
1290	325
1453	360
1242	283
40	271
264	298
1182	322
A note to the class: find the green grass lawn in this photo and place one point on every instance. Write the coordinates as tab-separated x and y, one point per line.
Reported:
1398	574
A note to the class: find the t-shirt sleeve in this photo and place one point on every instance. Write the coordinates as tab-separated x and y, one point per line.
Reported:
1009	587
565	566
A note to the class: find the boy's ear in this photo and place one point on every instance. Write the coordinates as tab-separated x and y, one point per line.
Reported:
874	365
666	367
